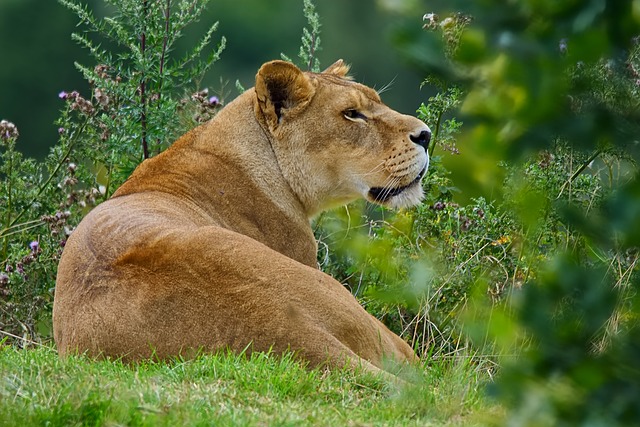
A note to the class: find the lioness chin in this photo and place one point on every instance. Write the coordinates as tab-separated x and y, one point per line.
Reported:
208	246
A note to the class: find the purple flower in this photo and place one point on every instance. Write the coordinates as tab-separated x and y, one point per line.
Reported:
563	46
214	100
60	131
34	246
63	95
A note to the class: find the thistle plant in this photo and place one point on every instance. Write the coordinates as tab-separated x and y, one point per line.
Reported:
36	200
310	41
136	88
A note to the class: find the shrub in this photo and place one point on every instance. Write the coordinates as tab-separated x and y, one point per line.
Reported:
552	91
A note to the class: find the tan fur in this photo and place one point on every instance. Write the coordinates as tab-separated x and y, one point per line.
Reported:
208	245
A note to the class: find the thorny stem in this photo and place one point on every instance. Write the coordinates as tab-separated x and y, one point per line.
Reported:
312	52
143	84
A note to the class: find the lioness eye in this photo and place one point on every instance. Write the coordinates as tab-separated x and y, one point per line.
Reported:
353	114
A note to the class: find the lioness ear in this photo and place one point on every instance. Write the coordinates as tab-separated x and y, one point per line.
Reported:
338	68
281	88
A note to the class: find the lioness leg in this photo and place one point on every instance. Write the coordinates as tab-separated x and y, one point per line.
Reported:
212	288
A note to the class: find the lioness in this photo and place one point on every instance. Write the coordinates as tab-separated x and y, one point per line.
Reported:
208	245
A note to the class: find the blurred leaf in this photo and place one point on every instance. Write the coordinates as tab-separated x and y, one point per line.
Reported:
423	49
623	213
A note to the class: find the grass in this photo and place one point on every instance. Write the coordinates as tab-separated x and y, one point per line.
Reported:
38	388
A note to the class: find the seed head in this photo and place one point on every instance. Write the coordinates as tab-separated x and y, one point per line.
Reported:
101	97
8	130
438	206
465	224
430	21
101	70
447	23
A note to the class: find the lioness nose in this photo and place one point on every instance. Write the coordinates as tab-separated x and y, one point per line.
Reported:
422	138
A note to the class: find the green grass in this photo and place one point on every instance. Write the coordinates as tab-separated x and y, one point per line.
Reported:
38	388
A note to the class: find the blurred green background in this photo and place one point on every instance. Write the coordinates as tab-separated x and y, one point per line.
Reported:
37	53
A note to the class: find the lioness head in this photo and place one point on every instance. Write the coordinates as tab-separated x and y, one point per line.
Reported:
335	141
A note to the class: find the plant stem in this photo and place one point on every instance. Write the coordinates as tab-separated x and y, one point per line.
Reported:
109	172
167	14
143	83
312	51
165	40
434	140
580	170
5	246
21	228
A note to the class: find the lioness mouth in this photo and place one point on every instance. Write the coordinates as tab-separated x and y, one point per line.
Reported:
383	194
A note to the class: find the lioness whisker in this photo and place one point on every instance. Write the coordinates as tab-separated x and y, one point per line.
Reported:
376	169
390	184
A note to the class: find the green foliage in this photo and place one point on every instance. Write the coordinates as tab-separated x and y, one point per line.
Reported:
310	42
548	269
563	378
136	89
435	111
38	204
310	38
228	389
136	86
551	98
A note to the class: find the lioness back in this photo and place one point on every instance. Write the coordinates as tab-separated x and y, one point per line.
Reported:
208	246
